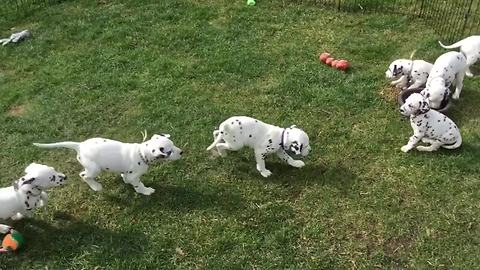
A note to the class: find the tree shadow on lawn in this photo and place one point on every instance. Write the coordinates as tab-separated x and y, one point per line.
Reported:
68	239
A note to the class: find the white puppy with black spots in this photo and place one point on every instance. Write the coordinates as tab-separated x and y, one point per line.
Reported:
470	47
448	69
239	131
131	160
429	126
28	192
407	73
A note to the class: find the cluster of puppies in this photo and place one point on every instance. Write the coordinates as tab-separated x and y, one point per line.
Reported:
132	160
430	126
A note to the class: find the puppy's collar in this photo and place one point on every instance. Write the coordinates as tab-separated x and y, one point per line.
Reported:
142	158
282	139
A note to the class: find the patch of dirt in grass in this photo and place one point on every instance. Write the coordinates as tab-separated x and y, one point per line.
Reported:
389	93
17	110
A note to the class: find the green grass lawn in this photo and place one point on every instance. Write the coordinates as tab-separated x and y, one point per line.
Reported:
115	68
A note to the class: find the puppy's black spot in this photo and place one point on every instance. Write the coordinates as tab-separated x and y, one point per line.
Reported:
138	163
153	150
107	169
130	172
250	135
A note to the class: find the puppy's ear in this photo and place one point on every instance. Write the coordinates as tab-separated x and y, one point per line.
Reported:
159	136
26	181
295	148
32	168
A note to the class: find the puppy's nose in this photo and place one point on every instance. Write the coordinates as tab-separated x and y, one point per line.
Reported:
181	152
65	177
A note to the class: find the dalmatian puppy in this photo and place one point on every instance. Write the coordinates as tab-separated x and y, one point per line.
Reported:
470	47
131	160
239	131
448	69
407	73
429	126
16	37
27	193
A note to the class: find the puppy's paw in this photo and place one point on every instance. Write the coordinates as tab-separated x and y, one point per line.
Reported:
17	216
297	163
4	228
266	173
405	148
95	186
469	74
145	191
455	96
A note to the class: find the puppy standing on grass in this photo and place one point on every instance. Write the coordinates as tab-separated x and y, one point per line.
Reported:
470	47
429	126
129	159
448	69
27	193
239	131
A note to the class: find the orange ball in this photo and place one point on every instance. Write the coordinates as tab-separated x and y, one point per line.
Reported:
329	61
323	57
342	65
334	63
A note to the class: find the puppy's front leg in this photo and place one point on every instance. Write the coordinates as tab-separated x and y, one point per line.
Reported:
417	136
43	199
139	187
4	228
290	161
260	157
396	82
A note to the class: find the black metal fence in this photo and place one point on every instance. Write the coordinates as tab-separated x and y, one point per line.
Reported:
452	19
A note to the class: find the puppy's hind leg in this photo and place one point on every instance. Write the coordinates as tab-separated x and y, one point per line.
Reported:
433	147
89	175
458	85
222	149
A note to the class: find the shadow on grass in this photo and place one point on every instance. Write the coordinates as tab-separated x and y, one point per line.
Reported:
177	198
335	175
68	239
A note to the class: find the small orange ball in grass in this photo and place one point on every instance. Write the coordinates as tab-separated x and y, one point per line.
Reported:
323	57
343	65
329	61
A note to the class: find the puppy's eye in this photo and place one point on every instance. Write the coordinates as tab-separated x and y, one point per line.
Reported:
161	149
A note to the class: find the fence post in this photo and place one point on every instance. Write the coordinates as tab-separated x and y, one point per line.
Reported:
421	9
467	16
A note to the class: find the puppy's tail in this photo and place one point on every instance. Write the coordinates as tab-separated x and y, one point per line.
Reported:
455	145
453	46
70	145
215	142
412	54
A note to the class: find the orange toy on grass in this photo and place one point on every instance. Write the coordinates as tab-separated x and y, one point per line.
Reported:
323	57
329	61
342	65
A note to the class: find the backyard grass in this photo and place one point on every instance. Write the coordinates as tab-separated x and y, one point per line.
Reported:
115	68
